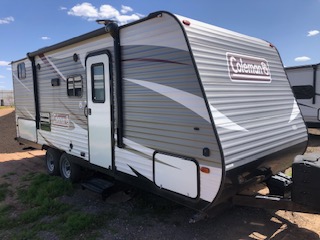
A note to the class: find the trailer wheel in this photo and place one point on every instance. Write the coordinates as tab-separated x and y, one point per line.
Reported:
52	161
69	170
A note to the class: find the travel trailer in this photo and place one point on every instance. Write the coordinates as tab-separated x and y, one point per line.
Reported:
192	112
6	98
305	85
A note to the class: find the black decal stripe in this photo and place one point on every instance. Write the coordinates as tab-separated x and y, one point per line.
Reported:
140	176
158	161
153	60
304	105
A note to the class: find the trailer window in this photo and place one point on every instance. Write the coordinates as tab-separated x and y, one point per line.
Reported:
98	86
21	68
74	86
303	91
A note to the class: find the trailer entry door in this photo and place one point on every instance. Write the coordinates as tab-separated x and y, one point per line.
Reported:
99	110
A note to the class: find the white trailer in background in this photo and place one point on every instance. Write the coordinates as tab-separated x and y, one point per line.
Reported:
187	110
306	88
6	98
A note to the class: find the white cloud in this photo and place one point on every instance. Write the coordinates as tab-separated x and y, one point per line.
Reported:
6	20
108	12
63	8
89	12
1	76
45	38
127	18
9	68
302	59
85	10
313	33
125	9
4	63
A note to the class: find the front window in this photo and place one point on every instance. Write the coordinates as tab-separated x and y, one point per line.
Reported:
21	70
303	91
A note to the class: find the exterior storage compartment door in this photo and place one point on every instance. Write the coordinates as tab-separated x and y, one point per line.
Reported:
27	129
176	174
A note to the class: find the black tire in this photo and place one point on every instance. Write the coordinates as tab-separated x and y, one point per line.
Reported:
69	170
52	160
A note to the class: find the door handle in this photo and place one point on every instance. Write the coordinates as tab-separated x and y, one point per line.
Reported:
87	111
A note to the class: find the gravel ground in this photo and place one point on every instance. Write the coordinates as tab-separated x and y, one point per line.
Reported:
146	216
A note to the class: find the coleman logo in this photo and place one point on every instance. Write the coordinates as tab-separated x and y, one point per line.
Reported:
244	68
60	119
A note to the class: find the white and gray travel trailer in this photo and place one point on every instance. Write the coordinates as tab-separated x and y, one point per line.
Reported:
306	88
187	110
6	98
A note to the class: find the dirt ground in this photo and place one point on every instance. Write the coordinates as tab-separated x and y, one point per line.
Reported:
236	223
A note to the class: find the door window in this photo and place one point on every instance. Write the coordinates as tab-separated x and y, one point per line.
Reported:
98	84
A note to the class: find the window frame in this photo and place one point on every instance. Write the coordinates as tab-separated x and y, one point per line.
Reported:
21	69
93	83
74	93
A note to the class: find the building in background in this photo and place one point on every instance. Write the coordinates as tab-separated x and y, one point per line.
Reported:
6	98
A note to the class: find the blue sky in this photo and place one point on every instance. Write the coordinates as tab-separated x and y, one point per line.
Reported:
291	25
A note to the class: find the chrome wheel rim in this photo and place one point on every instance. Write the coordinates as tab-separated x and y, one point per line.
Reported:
66	168
50	163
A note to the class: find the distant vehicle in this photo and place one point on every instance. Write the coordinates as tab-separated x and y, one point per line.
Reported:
305	82
184	109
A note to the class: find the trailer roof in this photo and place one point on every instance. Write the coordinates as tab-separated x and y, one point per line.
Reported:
86	36
19	60
303	66
80	38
